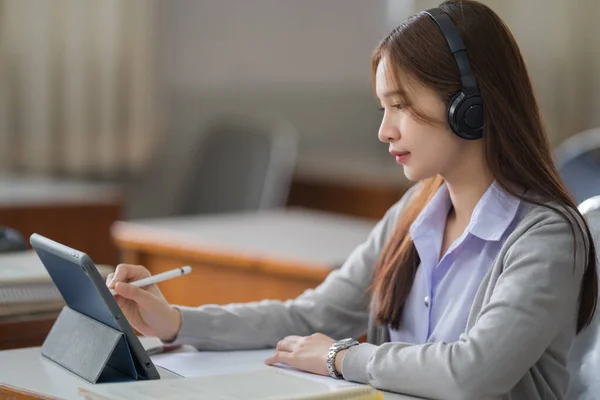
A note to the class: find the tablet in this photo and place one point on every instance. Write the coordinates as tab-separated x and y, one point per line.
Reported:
85	291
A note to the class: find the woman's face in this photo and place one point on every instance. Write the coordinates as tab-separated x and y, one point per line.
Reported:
424	149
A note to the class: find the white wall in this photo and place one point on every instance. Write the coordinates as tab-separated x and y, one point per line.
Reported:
268	42
309	60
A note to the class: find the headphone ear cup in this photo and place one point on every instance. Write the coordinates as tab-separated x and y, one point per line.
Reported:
465	116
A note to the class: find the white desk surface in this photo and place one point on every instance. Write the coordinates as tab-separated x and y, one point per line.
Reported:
27	369
293	234
40	190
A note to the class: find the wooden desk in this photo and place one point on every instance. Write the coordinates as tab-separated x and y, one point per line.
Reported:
76	213
25	330
26	374
358	199
354	184
242	257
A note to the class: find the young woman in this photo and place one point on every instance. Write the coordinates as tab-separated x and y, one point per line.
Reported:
475	283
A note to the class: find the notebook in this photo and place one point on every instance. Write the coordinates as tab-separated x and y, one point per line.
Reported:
264	384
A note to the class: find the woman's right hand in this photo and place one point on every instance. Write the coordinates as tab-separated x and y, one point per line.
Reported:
146	308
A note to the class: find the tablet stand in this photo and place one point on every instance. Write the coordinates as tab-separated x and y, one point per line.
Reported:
94	351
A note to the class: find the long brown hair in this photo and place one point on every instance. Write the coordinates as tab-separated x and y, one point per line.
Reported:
517	151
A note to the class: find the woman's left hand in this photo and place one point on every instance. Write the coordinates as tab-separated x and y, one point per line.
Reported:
308	353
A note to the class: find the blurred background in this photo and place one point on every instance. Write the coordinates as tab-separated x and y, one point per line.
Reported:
137	110
108	90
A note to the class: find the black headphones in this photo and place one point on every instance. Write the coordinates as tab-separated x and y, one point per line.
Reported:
465	109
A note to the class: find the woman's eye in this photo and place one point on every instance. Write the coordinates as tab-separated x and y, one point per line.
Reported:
396	106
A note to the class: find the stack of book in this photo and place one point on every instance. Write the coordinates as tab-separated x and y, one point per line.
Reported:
26	287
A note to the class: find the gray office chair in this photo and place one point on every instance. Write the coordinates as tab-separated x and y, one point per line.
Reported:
578	162
240	163
225	163
11	240
584	356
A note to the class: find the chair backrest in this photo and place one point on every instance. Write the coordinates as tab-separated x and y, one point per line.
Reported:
584	357
239	162
11	240
578	162
216	163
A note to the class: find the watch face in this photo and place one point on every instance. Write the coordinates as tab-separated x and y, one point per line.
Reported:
342	344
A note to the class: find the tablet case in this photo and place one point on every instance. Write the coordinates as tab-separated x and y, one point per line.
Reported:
88	348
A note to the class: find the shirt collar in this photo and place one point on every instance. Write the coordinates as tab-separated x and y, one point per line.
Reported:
493	214
434	213
491	217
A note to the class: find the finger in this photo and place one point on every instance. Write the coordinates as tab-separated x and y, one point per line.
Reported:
280	357
128	273
142	297
121	301
109	278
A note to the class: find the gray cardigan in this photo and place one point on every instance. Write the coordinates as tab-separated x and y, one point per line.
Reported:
515	345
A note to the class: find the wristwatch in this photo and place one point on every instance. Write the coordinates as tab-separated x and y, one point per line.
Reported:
333	350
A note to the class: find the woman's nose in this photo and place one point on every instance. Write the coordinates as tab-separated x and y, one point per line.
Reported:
388	132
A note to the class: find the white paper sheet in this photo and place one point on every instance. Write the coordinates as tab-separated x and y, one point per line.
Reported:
206	363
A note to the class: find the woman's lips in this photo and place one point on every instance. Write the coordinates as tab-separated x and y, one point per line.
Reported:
401	156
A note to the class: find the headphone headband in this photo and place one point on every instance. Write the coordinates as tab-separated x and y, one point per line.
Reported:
457	47
465	108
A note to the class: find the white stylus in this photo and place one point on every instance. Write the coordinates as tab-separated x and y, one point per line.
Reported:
174	273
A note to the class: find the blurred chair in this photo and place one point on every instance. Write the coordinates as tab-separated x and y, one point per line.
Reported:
11	240
584	357
578	162
235	162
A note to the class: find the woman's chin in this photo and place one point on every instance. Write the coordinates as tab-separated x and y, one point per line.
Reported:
411	174
415	175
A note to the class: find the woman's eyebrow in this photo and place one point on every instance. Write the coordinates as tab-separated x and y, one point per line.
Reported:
392	93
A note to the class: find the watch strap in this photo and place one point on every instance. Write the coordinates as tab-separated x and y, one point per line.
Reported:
333	350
